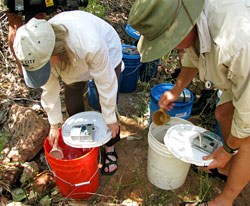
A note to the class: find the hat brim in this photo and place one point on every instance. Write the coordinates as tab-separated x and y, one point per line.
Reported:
151	50
38	78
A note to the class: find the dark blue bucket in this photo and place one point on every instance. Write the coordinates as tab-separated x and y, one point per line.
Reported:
93	97
130	75
129	79
181	109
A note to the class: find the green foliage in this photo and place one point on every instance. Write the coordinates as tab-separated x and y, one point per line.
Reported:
205	185
171	60
142	98
96	8
2	140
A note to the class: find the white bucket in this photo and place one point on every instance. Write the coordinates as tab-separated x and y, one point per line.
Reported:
164	170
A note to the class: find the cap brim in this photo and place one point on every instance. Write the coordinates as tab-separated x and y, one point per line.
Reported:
151	50
38	78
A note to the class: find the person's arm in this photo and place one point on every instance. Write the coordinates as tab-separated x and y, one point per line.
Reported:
238	74
106	82
185	77
51	103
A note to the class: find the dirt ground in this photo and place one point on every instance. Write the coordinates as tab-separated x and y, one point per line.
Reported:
130	186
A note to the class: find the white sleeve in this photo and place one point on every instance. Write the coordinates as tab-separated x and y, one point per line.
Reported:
105	78
50	100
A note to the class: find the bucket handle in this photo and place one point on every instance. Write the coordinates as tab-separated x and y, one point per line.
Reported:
132	71
76	185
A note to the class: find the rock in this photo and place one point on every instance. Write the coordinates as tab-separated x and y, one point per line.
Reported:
43	182
26	134
9	173
28	131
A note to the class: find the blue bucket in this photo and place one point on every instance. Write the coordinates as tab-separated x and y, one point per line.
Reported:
132	32
130	75
129	79
180	109
93	97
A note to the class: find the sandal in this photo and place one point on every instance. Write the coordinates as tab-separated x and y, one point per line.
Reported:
110	162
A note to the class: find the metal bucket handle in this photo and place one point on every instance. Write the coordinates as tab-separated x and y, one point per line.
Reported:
78	184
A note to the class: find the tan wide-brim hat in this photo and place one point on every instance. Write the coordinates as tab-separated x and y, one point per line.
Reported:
163	24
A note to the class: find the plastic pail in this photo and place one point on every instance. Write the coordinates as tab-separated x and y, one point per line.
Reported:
130	74
77	174
180	109
93	97
129	80
132	32
164	170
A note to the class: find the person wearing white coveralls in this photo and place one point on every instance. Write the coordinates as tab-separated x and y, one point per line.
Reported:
73	46
215	38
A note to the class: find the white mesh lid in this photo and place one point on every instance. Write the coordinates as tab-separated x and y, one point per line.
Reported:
101	132
180	141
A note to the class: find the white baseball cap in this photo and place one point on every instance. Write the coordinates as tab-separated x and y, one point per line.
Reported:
33	46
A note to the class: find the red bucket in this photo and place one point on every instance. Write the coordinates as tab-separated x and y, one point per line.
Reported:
76	175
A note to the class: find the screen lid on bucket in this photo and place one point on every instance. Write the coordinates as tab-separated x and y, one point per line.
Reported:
85	130
191	143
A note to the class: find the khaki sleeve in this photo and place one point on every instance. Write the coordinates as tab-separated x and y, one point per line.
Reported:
185	61
239	74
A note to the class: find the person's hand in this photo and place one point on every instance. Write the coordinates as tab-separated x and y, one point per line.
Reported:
53	136
114	129
221	158
167	99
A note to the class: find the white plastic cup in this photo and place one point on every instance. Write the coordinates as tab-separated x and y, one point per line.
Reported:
56	152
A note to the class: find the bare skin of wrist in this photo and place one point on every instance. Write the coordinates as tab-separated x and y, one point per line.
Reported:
234	142
54	126
114	128
53	136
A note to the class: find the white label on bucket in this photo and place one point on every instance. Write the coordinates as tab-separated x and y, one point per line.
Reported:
181	114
